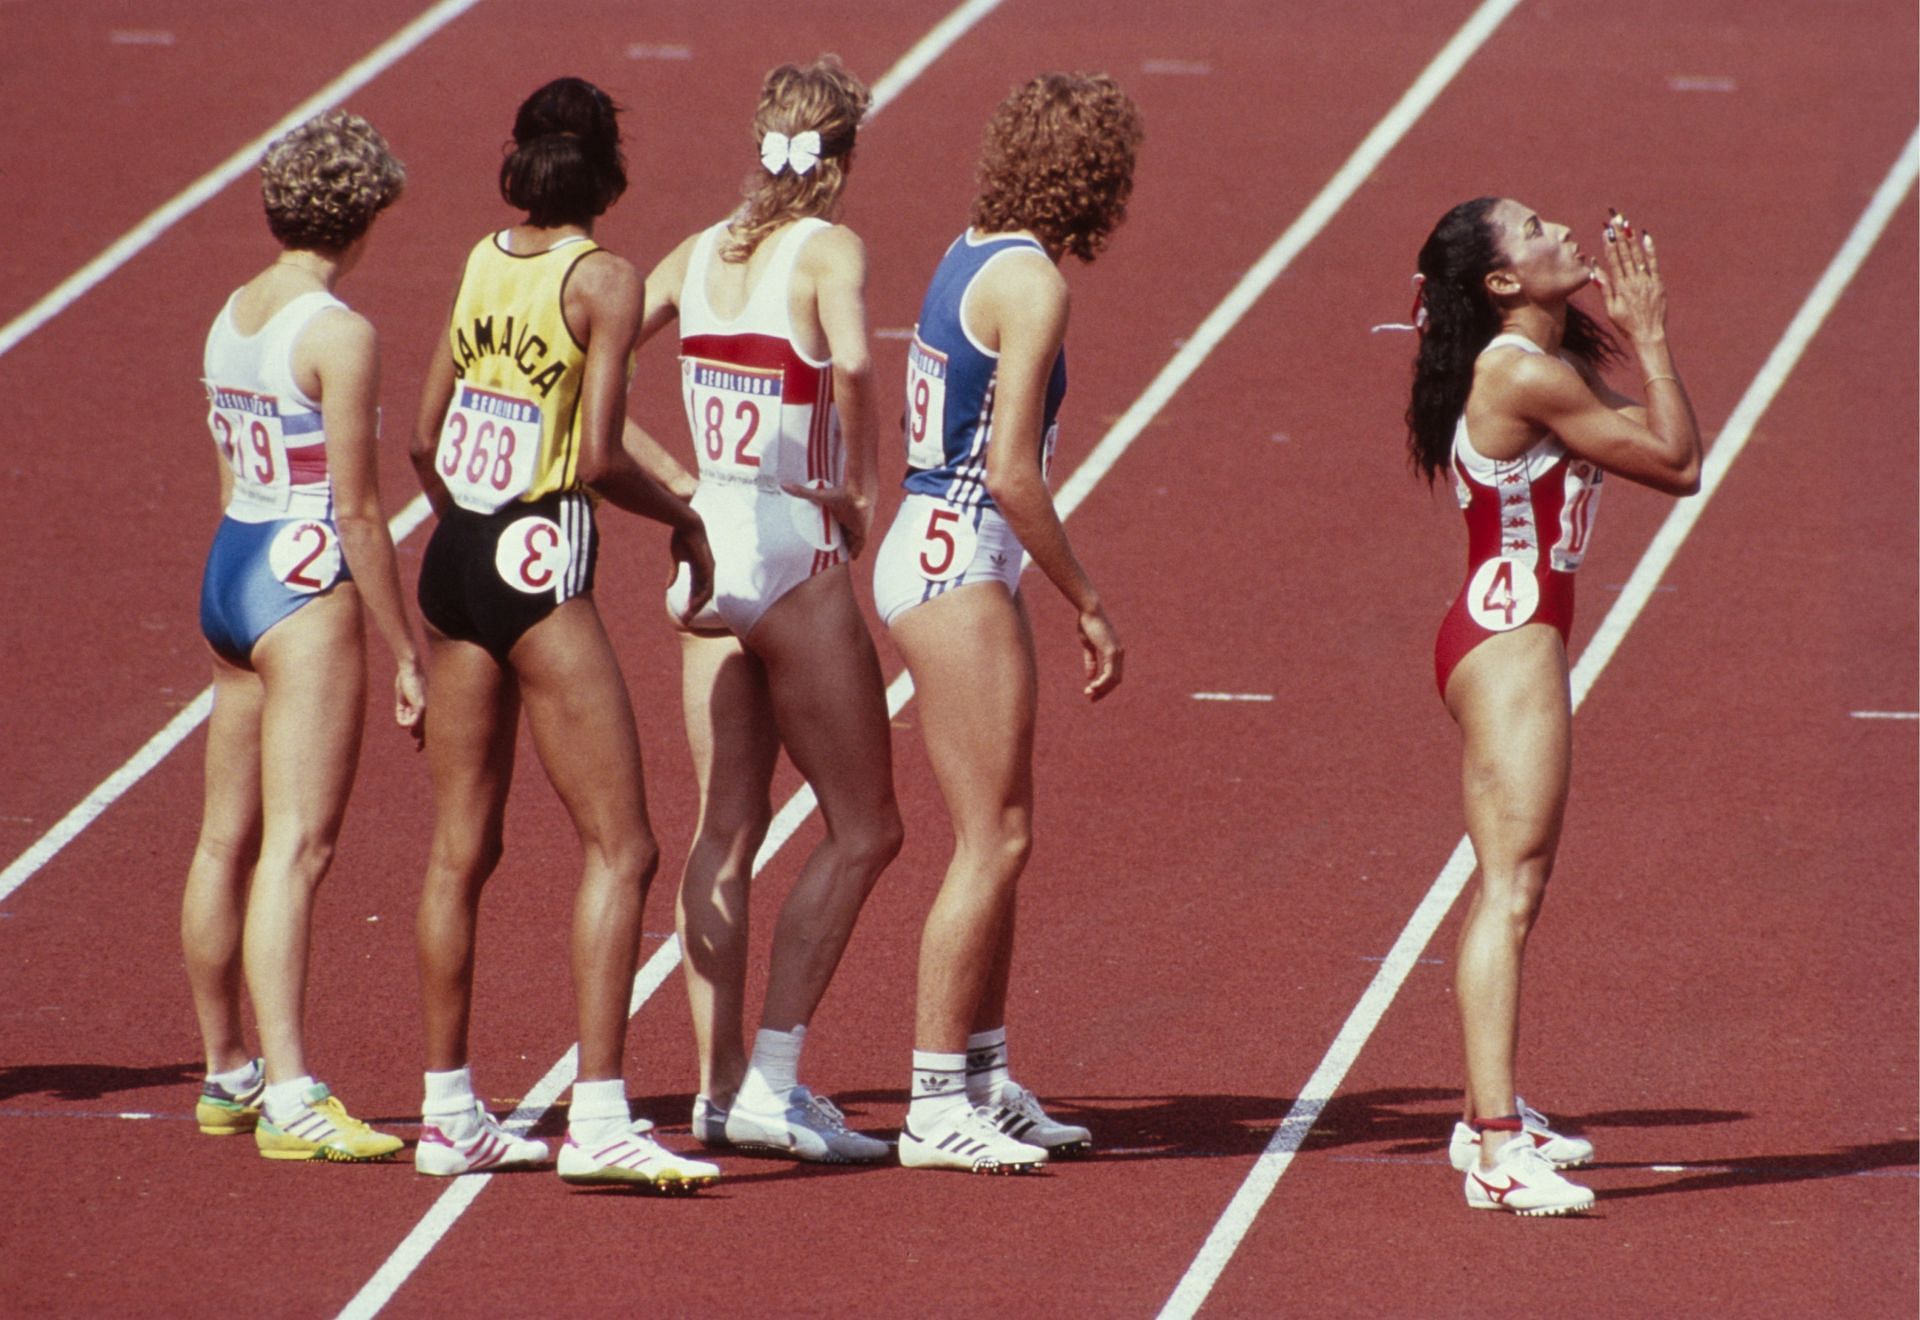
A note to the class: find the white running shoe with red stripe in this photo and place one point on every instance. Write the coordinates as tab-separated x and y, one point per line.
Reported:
488	1147
1523	1182
634	1159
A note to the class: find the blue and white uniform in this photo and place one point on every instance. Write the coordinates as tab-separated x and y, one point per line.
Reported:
948	532
277	547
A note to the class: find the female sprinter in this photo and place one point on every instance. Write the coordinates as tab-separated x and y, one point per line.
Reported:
518	435
293	384
985	375
1507	396
774	370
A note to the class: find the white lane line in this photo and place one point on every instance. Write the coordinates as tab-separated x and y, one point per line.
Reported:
452	1203
1260	1181
135	240
1233	696
1886	714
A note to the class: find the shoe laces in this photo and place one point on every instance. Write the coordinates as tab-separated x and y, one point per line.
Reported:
1021	1101
825	1110
337	1114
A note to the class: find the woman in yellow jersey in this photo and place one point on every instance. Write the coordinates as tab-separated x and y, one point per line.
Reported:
293	379
774	366
519	434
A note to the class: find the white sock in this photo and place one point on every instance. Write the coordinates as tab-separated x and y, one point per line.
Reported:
987	1065
773	1070
236	1081
599	1110
939	1088
449	1102
285	1100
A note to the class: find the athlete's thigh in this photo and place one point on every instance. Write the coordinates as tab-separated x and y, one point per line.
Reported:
1509	695
582	721
828	694
971	655
473	716
730	727
312	666
230	810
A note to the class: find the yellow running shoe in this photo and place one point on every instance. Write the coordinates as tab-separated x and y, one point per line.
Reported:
323	1130
224	1113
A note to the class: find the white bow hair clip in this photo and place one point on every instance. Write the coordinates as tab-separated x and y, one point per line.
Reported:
800	153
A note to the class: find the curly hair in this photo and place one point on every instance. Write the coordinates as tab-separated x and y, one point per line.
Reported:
823	98
323	182
564	165
1463	249
1058	160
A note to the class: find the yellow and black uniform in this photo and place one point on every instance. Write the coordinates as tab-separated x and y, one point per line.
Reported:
519	539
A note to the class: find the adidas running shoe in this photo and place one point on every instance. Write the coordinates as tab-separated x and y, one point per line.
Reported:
322	1129
634	1159
224	1113
1522	1181
488	1146
1562	1151
810	1128
1018	1114
968	1140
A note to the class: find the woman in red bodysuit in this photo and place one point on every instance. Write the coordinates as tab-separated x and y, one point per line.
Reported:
1507	396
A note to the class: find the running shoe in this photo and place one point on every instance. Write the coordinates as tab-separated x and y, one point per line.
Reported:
634	1159
1018	1114
709	1122
487	1146
224	1113
1522	1181
323	1130
1562	1151
968	1140
810	1128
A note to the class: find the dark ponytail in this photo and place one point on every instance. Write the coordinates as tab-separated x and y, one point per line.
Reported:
564	165
1461	320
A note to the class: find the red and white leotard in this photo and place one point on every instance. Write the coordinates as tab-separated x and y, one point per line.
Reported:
1528	522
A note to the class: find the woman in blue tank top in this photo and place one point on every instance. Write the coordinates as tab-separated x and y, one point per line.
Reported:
985	378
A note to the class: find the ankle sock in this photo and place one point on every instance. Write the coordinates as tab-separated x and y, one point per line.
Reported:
939	1088
598	1111
449	1102
773	1070
238	1081
285	1100
987	1068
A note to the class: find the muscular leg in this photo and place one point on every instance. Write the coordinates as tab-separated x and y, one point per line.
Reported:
831	704
731	732
1509	696
582	722
971	656
471	726
312	667
213	907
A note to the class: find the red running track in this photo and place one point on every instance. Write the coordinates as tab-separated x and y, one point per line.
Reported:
1725	977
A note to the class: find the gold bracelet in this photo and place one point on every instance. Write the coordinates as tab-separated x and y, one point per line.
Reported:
1650	379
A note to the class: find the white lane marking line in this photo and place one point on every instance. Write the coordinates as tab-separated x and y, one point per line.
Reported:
1233	696
135	240
1695	82
1260	1181
453	1202
1886	714
129	37
643	51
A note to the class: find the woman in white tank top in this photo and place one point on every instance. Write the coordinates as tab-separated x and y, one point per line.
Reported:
774	367
293	382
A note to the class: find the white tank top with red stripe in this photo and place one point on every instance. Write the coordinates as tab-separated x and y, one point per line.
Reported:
761	411
267	429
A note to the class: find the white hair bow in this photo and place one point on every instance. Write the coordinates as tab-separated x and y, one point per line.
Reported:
801	152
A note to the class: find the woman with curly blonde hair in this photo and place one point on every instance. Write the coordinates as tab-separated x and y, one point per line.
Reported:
293	380
986	372
778	388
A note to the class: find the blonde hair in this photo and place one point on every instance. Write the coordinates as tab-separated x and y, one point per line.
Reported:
325	181
1058	160
823	98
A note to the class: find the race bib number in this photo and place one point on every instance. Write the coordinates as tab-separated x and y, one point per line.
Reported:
1503	594
246	427
305	556
813	521
531	556
947	544
926	405
488	446
734	413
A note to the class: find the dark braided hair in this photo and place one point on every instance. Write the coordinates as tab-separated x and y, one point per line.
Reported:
564	165
1460	321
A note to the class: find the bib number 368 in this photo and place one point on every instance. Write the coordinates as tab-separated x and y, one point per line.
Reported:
1503	594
